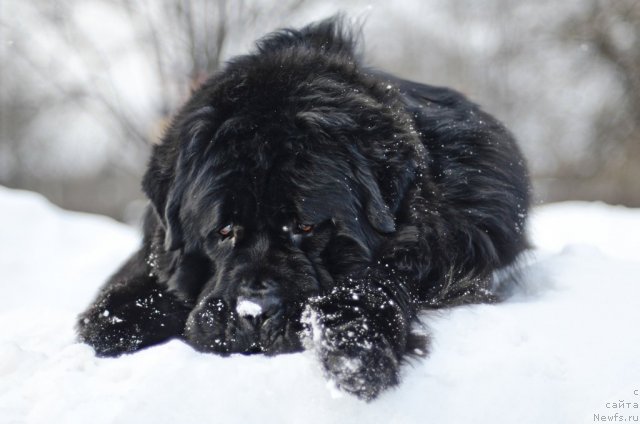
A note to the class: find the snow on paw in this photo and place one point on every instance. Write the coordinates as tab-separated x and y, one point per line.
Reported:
355	357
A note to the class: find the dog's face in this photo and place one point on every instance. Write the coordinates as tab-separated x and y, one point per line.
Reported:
268	203
271	239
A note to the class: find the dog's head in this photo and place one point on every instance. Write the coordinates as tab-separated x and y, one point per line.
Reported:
279	179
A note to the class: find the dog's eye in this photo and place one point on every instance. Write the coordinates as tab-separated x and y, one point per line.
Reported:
226	230
305	228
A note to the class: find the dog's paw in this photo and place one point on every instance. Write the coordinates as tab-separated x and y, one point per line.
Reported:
354	356
207	324
108	329
117	324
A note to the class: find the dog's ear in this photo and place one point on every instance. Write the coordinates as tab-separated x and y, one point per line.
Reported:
157	185
377	211
158	178
174	237
169	170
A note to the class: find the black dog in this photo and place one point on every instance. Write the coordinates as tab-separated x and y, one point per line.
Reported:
300	198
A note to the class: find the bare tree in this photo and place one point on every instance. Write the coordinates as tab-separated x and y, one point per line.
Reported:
54	70
611	30
107	75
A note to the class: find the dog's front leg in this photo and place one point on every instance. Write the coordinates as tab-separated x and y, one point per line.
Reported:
360	332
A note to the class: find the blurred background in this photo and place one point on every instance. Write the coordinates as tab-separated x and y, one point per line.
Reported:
86	86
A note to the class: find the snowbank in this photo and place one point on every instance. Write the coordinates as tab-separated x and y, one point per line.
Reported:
559	351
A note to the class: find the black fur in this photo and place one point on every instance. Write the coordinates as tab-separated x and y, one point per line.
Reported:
415	197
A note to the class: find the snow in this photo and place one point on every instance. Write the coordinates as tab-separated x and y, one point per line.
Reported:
248	308
561	349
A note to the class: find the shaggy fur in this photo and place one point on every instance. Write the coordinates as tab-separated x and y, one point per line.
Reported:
302	199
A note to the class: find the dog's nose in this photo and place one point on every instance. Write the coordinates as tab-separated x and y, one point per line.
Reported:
258	288
258	298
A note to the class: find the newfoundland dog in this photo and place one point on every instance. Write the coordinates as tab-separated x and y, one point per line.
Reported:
303	200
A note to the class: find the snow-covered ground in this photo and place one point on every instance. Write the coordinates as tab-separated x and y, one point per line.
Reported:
564	348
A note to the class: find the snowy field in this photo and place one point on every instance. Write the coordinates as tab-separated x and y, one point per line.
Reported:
561	350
